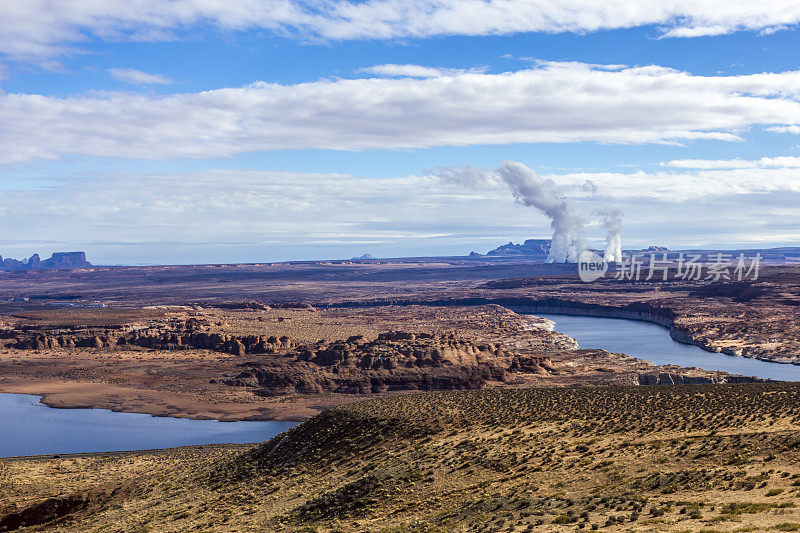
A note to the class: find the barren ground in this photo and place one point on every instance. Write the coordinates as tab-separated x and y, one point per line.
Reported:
188	382
538	446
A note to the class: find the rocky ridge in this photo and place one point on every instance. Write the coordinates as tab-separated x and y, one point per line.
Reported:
194	333
394	361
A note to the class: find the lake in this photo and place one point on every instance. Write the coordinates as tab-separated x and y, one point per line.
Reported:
652	342
28	427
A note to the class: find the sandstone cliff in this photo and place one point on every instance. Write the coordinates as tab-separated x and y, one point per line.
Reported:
394	361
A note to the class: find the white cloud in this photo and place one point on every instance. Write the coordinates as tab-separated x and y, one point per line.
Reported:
405	71
786	129
39	29
677	18
137	77
553	102
697	186
416	71
764	162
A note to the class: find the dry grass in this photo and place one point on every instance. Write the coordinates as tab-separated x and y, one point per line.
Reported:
713	458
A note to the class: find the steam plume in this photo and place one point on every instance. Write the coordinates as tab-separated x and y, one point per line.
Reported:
531	190
612	223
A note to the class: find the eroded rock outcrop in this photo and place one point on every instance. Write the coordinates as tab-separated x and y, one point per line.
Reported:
193	333
393	361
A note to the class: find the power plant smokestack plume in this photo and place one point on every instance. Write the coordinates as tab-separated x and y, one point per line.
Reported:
612	223
530	189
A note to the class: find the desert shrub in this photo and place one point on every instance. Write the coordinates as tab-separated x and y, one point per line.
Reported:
787	526
564	519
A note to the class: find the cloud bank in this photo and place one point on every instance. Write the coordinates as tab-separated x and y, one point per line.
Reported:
232	215
41	29
553	102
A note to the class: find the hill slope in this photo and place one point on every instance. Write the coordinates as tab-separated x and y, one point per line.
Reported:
713	457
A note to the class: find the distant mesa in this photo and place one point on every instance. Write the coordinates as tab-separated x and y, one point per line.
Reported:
57	260
364	257
531	247
540	248
656	249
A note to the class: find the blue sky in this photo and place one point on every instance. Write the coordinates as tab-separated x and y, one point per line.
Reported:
191	132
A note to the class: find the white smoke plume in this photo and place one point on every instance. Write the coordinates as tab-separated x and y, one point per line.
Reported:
530	189
612	223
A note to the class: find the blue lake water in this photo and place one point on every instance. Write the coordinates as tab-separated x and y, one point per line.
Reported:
28	427
653	343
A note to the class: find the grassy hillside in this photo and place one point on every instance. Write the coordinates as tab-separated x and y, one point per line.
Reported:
710	457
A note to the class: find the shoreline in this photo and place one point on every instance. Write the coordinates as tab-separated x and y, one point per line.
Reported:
123	453
677	334
85	395
297	408
639	311
50	404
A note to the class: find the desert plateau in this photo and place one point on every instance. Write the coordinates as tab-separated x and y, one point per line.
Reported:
404	374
